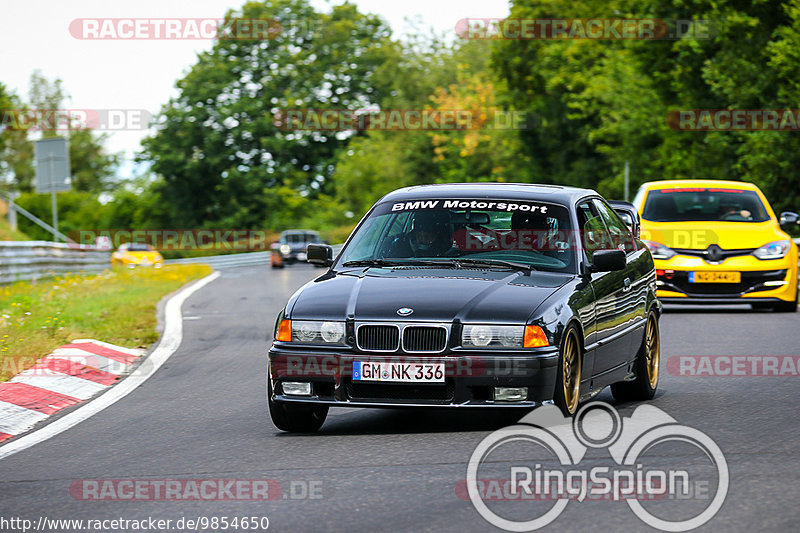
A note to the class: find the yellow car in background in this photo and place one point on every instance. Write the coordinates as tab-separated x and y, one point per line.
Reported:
718	242
134	254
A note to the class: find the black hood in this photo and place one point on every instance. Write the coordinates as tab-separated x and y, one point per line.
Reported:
434	295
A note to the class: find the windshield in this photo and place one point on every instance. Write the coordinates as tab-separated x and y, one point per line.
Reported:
704	204
301	238
139	247
501	232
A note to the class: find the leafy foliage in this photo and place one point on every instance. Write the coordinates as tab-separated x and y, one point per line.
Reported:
219	159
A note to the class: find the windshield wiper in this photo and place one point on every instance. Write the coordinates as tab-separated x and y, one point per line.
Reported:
383	263
455	262
493	263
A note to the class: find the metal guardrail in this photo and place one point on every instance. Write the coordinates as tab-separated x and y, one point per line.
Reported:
225	261
234	260
28	260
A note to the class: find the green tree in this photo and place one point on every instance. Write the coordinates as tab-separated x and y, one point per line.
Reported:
427	73
16	152
92	168
602	103
217	147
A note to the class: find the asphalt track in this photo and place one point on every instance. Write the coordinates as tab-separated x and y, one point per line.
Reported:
203	415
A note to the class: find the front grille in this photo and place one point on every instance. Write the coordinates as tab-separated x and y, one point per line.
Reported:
723	254
379	338
751	282
380	391
424	339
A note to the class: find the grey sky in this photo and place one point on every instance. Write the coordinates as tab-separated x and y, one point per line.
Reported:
140	74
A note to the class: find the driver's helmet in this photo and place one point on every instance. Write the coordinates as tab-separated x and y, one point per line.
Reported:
431	234
532	230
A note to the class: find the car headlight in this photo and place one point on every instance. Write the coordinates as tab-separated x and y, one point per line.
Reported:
285	249
492	336
773	250
659	251
311	332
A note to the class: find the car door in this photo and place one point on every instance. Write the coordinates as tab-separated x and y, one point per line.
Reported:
633	302
611	313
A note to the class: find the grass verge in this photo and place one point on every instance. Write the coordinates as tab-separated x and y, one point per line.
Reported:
117	306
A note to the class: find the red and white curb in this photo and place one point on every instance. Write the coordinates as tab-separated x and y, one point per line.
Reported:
70	375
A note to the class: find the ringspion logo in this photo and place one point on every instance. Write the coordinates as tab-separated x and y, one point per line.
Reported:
537	468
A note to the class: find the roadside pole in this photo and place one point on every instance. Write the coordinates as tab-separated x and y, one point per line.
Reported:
627	182
12	211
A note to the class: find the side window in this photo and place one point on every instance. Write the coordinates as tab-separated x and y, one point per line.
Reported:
621	237
593	231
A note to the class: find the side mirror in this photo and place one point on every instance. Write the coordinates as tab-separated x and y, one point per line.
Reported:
608	260
788	220
320	254
275	245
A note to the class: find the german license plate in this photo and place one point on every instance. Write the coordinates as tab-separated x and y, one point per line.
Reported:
715	277
398	372
302	256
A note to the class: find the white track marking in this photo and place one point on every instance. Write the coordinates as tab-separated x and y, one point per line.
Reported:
170	341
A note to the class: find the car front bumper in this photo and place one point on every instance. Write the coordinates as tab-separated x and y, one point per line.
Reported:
470	379
761	281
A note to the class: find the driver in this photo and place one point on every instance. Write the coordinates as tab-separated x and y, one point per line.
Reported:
432	235
733	211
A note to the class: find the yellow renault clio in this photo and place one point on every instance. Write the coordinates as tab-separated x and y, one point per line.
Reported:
718	242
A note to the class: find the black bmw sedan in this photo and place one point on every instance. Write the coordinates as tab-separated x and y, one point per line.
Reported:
471	295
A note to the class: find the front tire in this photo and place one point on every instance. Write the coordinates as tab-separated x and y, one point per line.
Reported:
295	418
646	367
568	383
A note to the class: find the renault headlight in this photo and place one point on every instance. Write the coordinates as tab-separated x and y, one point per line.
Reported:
773	250
659	251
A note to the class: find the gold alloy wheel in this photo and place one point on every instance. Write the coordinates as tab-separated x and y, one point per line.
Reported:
571	372
652	351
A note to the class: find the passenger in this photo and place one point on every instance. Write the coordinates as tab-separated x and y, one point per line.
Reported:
532	230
